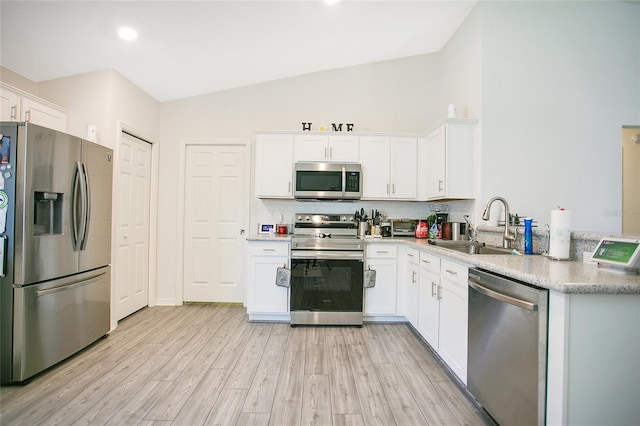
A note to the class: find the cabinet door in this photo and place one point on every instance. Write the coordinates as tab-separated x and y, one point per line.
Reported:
453	317
436	170
403	177
9	105
374	158
43	115
412	294
429	312
344	149
274	166
263	295
312	148
381	299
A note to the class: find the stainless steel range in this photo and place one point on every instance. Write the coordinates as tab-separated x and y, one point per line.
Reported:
327	268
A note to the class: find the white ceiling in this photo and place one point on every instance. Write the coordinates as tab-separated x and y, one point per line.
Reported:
188	48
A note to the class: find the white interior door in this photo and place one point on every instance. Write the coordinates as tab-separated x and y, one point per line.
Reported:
132	236
215	207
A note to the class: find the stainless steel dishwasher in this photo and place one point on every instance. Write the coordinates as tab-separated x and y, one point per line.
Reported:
507	353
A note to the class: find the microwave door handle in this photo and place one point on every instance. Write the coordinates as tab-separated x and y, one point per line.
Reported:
344	181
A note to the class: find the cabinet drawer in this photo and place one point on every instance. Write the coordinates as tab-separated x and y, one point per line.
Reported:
454	272
268	249
413	256
386	251
430	262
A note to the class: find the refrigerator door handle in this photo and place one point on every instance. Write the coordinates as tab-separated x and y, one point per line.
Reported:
86	202
75	234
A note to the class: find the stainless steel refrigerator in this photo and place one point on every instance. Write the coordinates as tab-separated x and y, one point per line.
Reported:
55	243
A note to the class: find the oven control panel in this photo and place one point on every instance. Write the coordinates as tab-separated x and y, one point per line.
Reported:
323	218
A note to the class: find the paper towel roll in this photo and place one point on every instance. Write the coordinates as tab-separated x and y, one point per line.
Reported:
560	234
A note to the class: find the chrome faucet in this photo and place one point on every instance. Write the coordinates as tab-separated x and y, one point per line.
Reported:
509	238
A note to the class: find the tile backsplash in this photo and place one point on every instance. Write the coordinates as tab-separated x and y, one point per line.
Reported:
283	211
580	241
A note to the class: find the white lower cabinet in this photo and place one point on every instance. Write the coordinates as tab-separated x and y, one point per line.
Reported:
381	299
266	300
442	310
454	305
429	299
411	286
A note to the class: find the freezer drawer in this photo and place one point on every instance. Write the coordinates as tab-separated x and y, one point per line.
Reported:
56	319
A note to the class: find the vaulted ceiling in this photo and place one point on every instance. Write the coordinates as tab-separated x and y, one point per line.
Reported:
188	48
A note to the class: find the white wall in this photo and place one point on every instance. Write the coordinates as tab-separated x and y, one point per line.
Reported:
400	95
461	68
16	80
630	212
105	99
559	79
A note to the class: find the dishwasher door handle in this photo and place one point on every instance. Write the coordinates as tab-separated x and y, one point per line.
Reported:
503	297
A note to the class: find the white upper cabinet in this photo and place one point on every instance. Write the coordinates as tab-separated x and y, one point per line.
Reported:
403	176
374	159
450	160
16	105
334	148
389	167
274	166
9	105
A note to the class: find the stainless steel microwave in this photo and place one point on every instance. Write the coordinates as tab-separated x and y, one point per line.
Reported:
327	181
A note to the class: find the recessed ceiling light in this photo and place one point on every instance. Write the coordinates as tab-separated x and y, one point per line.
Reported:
127	33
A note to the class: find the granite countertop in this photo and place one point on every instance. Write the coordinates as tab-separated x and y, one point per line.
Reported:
270	237
574	277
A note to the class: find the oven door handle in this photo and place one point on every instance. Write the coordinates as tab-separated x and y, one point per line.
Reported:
327	254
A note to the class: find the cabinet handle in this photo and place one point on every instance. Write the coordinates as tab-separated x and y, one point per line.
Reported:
289	190
409	254
433	293
428	262
387	189
268	249
393	188
439	296
330	152
413	280
440	182
27	115
382	251
325	152
14	112
451	272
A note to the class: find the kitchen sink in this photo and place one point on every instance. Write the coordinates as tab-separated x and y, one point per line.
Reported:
470	247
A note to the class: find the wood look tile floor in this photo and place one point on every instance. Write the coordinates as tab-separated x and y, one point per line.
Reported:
206	364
